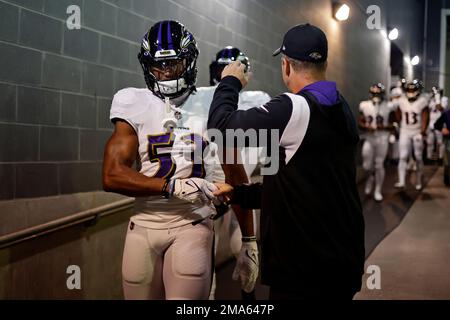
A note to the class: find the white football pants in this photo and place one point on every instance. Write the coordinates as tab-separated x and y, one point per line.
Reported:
407	141
435	137
172	264
374	153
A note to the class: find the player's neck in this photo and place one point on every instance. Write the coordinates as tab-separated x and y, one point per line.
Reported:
303	81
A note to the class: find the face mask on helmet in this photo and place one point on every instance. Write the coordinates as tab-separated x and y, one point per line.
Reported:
169	78
411	94
168	58
223	58
413	90
167	70
377	93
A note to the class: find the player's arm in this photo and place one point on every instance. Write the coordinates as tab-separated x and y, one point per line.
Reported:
392	118
118	174
247	265
439	124
362	121
363	125
398	115
236	175
425	118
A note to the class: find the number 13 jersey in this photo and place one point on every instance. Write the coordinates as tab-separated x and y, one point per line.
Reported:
412	114
181	152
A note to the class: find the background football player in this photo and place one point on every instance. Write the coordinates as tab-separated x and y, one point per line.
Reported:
443	125
376	117
395	94
251	157
198	106
168	249
438	104
412	113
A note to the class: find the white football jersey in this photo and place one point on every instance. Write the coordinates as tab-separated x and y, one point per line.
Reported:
251	99
412	113
376	114
165	154
198	105
434	112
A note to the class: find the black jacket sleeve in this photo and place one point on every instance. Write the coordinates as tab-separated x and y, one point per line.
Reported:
439	124
248	196
223	113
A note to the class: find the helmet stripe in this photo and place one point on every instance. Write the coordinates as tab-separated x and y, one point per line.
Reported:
160	36
169	36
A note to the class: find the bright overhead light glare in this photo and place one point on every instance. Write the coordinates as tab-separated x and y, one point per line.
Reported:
393	34
415	60
342	12
383	33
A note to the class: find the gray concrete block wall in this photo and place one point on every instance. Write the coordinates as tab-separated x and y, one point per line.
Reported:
433	45
56	84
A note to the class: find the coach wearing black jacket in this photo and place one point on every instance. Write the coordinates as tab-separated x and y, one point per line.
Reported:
312	227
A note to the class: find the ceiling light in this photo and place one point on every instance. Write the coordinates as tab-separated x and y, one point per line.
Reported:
415	60
393	34
341	11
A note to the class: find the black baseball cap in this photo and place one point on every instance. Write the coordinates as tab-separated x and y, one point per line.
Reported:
305	42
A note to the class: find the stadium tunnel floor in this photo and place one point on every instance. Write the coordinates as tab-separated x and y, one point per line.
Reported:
382	220
414	259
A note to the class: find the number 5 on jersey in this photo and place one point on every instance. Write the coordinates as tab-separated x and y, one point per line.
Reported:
160	149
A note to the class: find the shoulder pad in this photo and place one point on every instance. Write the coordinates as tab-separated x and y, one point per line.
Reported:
363	104
250	99
199	103
134	105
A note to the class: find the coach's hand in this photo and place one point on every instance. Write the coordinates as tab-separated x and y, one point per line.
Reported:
223	191
236	69
194	190
247	266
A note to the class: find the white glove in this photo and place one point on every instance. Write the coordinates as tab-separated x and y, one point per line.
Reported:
247	266
194	190
392	139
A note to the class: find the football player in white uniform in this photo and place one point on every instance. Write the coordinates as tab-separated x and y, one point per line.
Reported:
438	104
443	124
168	251
376	117
413	113
252	157
198	106
396	93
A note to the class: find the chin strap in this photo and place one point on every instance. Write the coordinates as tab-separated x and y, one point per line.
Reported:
168	105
